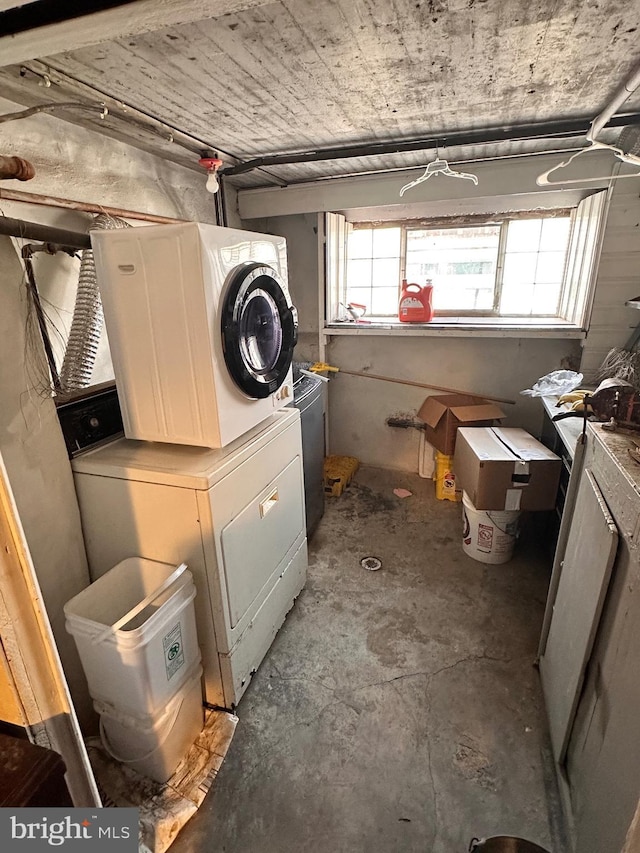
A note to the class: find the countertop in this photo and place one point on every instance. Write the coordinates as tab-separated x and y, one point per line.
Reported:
616	444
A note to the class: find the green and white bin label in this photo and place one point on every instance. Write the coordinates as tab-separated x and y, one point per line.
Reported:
173	651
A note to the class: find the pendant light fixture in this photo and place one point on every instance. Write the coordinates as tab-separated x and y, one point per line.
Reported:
211	164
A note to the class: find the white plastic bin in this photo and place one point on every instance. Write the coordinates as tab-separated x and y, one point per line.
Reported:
154	744
488	536
135	630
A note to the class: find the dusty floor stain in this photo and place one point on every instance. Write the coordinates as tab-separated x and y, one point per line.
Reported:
390	712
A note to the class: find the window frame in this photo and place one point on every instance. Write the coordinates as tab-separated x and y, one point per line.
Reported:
471	221
581	274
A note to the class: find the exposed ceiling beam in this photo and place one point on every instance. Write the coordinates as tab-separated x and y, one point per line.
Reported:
38	37
445	197
559	129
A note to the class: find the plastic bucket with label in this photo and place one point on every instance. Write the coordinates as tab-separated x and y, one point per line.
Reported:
135	630
488	536
154	744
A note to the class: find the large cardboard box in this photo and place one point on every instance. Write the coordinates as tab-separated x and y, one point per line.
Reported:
508	469
444	413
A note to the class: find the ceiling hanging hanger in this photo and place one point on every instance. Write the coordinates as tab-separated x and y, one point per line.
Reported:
543	179
438	167
630	138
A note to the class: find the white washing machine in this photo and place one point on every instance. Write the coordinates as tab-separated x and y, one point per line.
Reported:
235	515
201	329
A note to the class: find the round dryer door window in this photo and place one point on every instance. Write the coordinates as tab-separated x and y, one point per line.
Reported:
259	329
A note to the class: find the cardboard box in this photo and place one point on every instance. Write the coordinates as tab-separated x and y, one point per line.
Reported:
508	469
444	413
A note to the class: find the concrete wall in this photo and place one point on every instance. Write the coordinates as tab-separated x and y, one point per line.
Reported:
71	163
359	407
496	366
301	233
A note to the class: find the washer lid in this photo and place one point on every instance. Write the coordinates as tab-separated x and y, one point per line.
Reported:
259	329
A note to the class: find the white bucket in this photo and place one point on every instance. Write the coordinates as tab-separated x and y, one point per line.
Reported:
154	744
488	536
135	630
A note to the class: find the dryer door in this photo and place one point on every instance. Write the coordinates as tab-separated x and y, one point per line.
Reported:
259	329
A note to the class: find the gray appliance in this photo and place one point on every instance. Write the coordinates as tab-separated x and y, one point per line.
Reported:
308	398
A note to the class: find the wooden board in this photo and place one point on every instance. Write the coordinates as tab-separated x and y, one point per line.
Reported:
589	556
11	710
166	808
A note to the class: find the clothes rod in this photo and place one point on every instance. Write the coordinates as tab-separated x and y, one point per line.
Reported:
44	233
69	204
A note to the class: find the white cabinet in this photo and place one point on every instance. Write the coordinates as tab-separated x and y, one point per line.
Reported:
592	655
591	549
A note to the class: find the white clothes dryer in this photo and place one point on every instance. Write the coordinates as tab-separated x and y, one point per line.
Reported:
201	329
234	515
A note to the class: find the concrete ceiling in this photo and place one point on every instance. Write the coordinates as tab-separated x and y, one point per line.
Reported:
294	75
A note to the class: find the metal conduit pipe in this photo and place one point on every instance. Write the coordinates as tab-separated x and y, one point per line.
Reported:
617	100
44	233
16	168
559	129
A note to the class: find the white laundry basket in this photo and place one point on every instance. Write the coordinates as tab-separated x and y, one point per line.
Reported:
154	744
135	630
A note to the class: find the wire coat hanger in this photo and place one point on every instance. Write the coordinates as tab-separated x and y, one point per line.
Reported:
439	167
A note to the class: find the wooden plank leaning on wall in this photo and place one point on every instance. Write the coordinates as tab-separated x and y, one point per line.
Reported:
35	676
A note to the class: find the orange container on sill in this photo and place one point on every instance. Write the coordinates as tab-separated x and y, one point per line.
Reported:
415	303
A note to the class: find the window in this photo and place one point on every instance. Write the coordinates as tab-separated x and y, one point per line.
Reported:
524	267
511	268
461	263
373	269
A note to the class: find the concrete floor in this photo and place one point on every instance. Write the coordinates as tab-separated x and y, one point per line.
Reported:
397	710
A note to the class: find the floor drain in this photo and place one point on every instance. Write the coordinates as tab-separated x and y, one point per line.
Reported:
371	564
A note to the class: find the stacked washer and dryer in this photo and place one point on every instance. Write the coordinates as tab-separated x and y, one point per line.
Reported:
201	330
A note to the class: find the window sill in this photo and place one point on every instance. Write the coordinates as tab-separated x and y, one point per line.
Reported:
456	327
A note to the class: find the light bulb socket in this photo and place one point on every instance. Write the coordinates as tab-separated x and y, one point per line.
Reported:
211	164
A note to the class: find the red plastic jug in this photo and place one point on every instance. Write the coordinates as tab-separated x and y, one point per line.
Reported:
415	303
